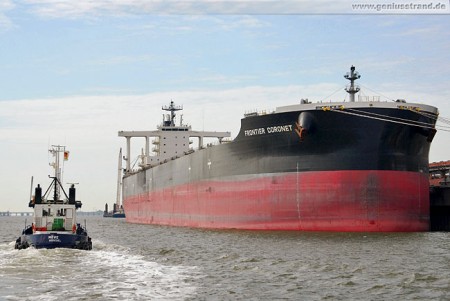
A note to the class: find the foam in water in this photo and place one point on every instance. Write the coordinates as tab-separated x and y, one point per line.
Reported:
107	272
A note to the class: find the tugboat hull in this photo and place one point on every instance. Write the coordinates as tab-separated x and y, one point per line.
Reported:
54	240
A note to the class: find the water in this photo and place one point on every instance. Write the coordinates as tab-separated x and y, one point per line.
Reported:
142	262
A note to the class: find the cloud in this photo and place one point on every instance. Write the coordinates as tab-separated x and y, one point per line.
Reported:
240	22
88	9
5	21
420	29
93	9
122	60
74	9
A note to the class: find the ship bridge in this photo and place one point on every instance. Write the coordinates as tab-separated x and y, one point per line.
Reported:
170	140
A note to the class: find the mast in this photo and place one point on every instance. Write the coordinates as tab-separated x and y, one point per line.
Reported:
55	151
352	89
172	108
119	180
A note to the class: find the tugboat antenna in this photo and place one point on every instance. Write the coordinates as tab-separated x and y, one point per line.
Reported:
55	151
31	189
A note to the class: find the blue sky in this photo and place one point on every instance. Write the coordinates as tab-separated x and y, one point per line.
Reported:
77	72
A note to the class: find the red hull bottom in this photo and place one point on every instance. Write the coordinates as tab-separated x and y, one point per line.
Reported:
346	201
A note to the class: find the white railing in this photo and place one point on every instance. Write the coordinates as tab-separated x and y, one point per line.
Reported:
363	98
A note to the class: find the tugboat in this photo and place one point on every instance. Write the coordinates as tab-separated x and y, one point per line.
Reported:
54	220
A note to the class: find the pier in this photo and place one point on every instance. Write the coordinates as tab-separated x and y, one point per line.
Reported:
12	213
440	196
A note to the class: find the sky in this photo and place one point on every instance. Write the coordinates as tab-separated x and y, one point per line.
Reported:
75	73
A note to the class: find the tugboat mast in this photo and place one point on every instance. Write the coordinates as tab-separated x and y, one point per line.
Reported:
55	151
352	89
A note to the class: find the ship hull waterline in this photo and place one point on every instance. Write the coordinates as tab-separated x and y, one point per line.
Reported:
343	201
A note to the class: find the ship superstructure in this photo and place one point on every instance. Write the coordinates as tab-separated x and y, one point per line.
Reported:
170	140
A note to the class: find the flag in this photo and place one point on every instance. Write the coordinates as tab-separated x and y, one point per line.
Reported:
66	155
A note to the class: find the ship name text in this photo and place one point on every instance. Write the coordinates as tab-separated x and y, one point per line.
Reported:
53	238
269	130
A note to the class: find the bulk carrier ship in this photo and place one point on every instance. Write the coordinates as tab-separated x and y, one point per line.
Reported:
337	166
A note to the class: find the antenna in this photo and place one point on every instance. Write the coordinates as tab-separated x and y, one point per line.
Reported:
56	150
31	189
172	108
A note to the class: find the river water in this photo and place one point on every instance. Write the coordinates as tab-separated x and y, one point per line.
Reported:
144	262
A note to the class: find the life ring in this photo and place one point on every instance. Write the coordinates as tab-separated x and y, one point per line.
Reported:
74	228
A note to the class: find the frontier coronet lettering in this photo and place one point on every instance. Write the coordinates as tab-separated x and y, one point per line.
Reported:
269	130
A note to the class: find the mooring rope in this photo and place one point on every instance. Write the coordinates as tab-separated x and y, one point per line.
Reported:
392	119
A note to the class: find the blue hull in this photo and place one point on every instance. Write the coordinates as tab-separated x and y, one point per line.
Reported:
52	240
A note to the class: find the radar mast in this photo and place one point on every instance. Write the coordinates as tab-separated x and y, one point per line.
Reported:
172	108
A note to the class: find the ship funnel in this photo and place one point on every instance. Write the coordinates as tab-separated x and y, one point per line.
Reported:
72	195
352	89
38	195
